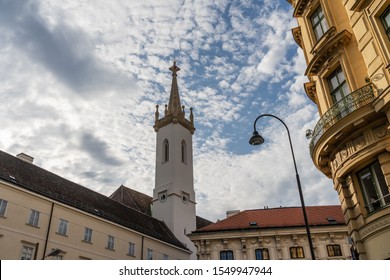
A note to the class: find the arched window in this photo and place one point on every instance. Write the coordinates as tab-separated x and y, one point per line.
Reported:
183	151
166	151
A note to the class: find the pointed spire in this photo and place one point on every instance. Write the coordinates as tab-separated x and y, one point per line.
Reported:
174	111
174	105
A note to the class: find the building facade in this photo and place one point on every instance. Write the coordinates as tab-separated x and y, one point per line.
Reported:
346	45
275	234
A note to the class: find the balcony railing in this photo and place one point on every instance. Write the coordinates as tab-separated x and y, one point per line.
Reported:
341	109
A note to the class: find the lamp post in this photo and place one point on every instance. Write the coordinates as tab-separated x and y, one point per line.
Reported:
257	139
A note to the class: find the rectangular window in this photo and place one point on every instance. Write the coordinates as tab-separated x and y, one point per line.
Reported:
149	254
62	227
318	22
87	235
131	249
297	252
110	242
165	257
226	255
385	18
27	252
334	250
338	85
34	218
261	254
3	207
375	190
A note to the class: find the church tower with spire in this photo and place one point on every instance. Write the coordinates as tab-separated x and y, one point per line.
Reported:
174	194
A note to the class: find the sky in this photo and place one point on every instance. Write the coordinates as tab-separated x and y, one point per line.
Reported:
80	81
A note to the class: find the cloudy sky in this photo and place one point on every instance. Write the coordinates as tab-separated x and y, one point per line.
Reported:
79	81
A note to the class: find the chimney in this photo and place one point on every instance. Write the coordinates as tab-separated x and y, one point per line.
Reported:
232	213
25	157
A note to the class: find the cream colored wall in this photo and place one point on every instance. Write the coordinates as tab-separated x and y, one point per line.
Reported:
278	243
14	231
355	141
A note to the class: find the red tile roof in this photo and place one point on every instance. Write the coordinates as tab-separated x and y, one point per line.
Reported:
279	217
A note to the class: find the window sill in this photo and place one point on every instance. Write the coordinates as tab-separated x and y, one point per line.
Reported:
111	249
34	226
87	242
65	235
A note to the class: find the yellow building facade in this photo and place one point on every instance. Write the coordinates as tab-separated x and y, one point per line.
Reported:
346	44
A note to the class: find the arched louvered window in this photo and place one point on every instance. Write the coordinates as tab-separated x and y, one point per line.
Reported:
166	151
183	151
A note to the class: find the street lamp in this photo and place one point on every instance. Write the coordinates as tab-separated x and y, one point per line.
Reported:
257	139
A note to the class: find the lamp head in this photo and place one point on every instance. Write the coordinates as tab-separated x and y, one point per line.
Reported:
256	139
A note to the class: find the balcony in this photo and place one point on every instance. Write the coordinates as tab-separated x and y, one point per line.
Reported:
341	109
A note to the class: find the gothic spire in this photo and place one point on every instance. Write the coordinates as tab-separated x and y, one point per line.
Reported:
174	105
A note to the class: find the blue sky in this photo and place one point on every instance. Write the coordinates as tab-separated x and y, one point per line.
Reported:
80	81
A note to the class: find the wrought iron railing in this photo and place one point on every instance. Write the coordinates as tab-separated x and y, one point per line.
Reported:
350	103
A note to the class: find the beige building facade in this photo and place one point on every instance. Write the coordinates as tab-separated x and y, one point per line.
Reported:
346	45
46	214
275	234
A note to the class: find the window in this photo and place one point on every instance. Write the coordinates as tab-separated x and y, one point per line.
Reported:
318	22
62	227
3	206
166	150
131	251
297	252
334	250
385	18
165	257
110	242
183	152
27	252
34	218
226	255
149	254
337	85
262	254
87	235
375	190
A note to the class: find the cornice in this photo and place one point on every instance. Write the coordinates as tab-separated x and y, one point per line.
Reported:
324	51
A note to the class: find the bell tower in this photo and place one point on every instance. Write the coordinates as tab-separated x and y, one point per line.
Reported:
174	194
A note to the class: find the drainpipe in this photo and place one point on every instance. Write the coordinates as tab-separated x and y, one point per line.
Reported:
48	231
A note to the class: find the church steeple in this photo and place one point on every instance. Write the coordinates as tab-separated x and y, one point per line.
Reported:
174	112
174	192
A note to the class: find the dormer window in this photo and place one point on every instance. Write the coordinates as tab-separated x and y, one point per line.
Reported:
318	22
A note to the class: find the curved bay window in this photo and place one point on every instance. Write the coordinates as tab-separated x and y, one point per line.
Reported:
374	187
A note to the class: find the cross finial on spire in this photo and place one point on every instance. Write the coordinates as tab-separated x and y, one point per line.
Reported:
174	68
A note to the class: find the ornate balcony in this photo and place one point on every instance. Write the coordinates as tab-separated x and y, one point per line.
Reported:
341	109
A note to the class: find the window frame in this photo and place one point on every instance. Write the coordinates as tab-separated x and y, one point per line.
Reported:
33	219
334	250
386	26
262	254
110	242
297	252
3	207
131	249
28	252
340	88
63	227
373	204
149	254
88	235
226	255
183	151
322	22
